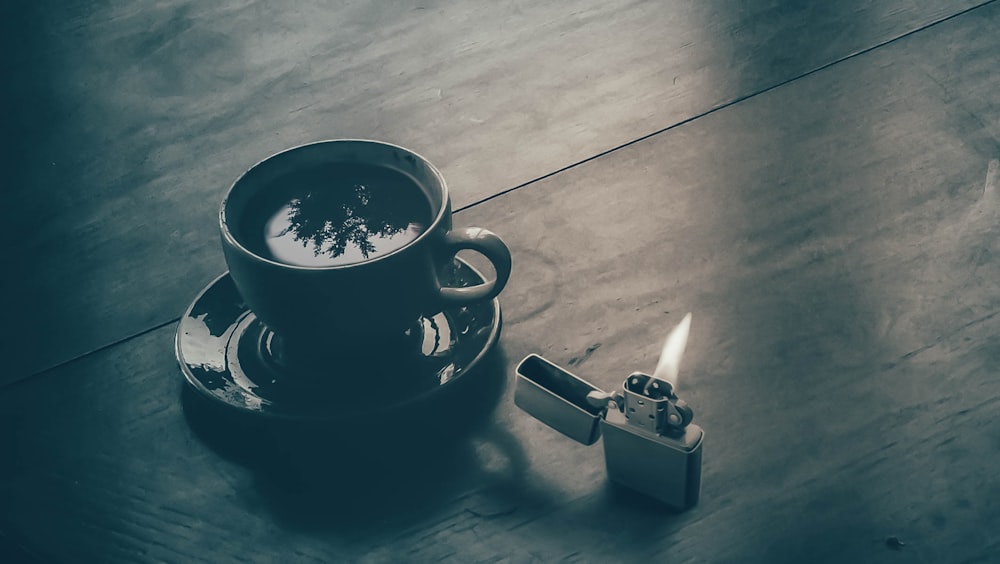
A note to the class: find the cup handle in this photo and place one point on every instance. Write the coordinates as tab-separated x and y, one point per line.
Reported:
494	249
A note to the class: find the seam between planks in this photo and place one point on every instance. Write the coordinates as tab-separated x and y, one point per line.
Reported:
724	105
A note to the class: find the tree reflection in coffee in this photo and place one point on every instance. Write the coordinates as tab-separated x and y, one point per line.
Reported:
336	215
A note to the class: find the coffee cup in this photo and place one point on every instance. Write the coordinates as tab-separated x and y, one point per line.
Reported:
346	241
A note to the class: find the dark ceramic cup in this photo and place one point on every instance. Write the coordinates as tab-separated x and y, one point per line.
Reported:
373	299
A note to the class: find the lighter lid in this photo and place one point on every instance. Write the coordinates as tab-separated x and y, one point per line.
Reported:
558	398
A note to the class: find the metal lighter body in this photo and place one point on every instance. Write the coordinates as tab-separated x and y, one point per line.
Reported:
670	467
649	443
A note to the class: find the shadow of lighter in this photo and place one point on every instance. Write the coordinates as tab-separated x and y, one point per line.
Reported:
650	444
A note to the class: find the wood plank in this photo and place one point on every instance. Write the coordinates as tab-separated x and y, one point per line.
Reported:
835	241
132	118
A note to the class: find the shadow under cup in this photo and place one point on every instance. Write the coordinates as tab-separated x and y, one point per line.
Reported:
366	230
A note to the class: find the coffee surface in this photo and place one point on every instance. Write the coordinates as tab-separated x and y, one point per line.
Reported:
335	215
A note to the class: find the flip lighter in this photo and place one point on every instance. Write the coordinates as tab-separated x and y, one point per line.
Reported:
650	444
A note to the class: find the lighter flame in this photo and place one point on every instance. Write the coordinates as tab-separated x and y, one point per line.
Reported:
673	351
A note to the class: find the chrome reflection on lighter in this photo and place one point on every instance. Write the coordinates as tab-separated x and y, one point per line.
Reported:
650	444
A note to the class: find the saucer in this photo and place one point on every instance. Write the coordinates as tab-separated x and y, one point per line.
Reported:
230	358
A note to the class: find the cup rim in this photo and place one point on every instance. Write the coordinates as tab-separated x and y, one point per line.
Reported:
231	239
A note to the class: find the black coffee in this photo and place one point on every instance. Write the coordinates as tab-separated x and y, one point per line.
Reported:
335	215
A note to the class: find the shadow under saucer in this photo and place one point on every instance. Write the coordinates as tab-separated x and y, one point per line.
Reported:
343	440
357	475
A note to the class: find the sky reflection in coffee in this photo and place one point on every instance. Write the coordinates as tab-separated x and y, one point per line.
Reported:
346	217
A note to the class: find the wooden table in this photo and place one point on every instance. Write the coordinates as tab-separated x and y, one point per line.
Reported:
814	183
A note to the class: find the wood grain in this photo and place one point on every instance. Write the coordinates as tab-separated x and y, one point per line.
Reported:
835	239
132	118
